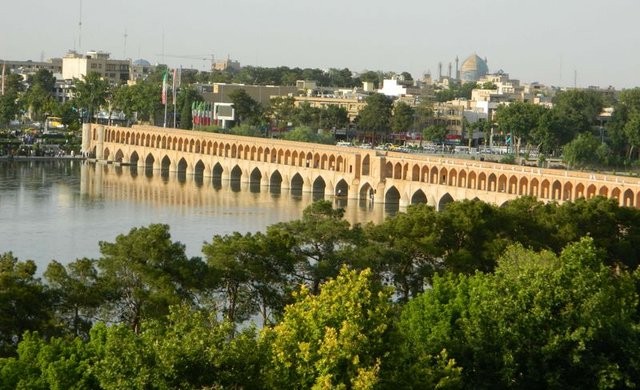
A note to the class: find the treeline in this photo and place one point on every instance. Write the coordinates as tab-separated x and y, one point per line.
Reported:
527	295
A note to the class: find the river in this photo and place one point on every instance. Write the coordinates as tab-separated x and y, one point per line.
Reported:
61	209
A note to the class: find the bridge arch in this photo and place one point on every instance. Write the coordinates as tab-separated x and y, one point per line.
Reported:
342	188
366	165
628	198
319	188
119	156
392	196
297	184
444	201
134	158
366	191
418	197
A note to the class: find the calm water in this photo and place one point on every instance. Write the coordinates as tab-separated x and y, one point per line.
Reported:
61	209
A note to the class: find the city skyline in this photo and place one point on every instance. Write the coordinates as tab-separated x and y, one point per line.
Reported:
555	43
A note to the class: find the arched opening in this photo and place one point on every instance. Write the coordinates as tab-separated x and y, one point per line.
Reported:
545	189
444	201
397	171
365	195
254	180
627	200
234	178
556	190
297	184
615	194
388	171
148	165
579	191
165	166
418	197
415	173
182	170
392	200
319	187
366	165
567	190
604	191
134	158
119	156
198	173
275	182
342	189
216	176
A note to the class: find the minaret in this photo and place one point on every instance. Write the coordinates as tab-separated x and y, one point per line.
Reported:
449	69
457	70
439	71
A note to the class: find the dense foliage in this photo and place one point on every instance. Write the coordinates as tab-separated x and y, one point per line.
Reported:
528	295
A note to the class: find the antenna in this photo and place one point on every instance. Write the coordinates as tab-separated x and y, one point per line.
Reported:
80	29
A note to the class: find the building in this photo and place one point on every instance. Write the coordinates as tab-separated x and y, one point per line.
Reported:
219	92
226	64
353	104
53	65
473	68
140	69
77	66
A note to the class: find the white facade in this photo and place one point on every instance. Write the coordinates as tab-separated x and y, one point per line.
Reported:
392	88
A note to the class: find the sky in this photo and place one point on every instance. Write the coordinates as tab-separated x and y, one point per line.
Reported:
554	42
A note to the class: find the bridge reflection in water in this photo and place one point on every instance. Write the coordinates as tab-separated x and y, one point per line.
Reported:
214	195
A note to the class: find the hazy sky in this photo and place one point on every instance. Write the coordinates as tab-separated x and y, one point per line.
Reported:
550	41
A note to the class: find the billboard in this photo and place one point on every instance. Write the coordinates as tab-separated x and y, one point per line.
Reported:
223	111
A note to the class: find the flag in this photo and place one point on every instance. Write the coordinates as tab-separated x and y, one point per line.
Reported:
4	65
164	88
174	85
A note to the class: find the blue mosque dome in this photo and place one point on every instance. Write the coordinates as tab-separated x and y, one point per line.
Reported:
473	68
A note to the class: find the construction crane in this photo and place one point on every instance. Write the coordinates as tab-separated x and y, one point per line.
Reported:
189	57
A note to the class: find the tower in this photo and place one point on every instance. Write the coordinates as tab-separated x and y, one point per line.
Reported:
457	70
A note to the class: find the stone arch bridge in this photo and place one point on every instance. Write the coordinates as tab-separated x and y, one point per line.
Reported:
353	173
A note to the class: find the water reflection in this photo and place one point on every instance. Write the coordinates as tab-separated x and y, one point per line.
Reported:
167	188
61	209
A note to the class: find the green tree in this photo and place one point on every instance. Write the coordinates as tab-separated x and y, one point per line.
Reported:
580	108
146	273
336	339
318	239
25	304
91	92
372	77
333	117
519	119
190	350
403	117
403	248
246	108
186	97
540	322
582	151
281	111
434	133
469	235
250	274
9	102
56	363
78	294
307	116
307	134
375	117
